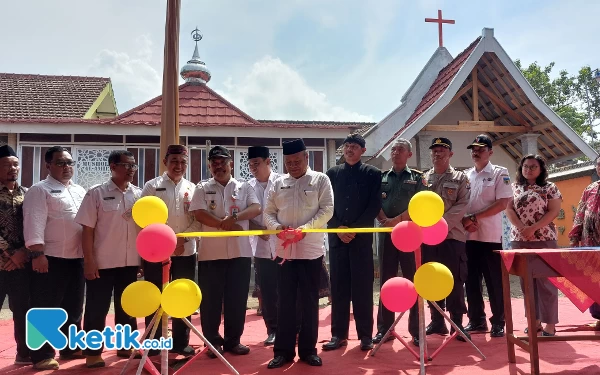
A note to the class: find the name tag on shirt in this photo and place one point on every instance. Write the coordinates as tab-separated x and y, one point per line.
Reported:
55	191
108	198
286	187
412	182
161	189
211	192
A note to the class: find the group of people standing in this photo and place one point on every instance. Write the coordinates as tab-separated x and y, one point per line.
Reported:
57	239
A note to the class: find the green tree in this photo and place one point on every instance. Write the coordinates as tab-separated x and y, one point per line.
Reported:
575	98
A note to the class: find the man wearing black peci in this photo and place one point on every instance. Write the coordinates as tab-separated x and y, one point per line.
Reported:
357	201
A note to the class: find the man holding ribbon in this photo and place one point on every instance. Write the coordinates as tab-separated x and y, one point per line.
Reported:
357	192
224	204
301	199
177	194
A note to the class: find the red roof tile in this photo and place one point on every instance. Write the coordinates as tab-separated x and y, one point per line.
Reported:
24	96
199	105
438	87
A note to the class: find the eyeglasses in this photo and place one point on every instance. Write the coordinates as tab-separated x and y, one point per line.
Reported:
530	167
128	166
62	164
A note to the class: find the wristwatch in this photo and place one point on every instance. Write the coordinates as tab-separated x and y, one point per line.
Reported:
35	254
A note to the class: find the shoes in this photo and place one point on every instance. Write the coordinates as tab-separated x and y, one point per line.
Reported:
379	336
46	364
366	344
436	328
94	361
334	344
70	356
539	329
459	337
473	327
548	334
277	362
212	355
415	341
21	360
270	339
497	330
186	351
312	360
239	349
126	353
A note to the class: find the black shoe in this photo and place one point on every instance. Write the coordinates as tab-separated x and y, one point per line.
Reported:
379	336
473	327
497	330
312	360
415	341
186	351
366	344
212	355
334	344
270	339
436	328
239	349
459	337
277	362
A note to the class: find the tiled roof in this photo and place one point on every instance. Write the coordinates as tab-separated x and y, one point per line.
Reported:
366	126
199	105
438	87
32	96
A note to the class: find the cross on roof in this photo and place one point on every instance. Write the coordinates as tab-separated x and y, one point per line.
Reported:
439	21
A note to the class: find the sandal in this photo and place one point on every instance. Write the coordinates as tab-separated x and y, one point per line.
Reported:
548	334
539	329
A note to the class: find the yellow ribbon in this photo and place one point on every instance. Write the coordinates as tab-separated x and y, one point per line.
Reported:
270	232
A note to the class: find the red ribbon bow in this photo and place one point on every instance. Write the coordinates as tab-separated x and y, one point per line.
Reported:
288	236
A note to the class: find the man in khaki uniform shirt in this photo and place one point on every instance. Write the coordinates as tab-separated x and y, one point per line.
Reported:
223	204
453	187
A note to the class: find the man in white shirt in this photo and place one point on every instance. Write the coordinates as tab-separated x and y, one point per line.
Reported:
259	164
177	194
490	193
111	259
224	204
301	199
54	241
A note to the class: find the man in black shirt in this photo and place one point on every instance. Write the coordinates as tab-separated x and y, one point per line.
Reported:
357	201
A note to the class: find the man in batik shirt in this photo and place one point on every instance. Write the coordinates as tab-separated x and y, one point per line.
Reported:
586	226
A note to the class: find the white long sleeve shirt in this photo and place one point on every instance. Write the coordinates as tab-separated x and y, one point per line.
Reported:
178	198
305	203
260	247
49	210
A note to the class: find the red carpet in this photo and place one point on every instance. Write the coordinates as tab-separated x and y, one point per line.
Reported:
579	357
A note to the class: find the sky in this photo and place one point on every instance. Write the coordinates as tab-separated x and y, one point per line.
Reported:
326	60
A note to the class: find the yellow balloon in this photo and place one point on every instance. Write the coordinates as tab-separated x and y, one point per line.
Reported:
426	208
433	281
140	299
181	298
149	210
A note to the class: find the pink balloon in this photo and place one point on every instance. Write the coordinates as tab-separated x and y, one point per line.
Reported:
398	294
436	233
407	236
156	242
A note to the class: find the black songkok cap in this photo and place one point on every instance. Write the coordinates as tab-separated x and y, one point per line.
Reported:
6	150
293	147
258	152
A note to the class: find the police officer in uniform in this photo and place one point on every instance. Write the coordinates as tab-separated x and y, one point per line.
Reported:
490	193
398	186
453	187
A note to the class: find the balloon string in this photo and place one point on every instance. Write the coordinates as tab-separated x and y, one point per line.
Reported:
276	232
